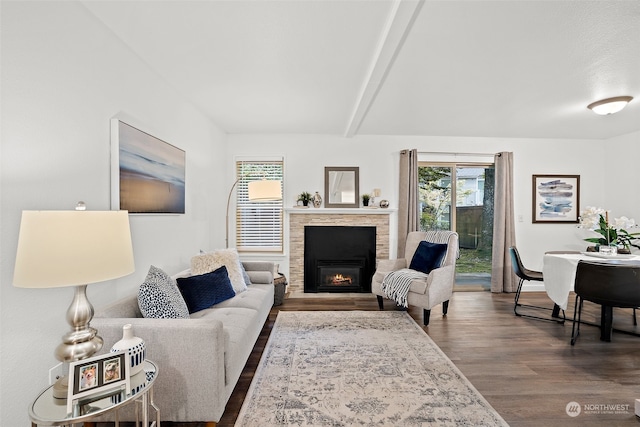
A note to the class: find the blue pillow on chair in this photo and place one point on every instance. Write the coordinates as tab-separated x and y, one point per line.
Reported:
428	256
204	290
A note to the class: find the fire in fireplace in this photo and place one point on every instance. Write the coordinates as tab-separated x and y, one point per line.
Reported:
339	275
339	258
339	279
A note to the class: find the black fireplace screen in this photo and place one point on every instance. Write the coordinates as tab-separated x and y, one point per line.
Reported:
337	274
339	258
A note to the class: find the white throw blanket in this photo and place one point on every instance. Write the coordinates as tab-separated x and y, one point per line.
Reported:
396	284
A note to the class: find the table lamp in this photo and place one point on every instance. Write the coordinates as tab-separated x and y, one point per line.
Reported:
73	248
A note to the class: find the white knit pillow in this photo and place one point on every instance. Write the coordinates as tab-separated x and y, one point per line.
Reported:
208	262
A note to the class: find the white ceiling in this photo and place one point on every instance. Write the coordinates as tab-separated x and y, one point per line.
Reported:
383	67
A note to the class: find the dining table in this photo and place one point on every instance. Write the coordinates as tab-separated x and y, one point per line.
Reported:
559	272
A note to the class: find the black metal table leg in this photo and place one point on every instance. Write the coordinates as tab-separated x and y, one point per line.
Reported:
556	311
606	323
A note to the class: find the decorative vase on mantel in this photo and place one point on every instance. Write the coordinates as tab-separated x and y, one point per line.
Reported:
133	346
317	200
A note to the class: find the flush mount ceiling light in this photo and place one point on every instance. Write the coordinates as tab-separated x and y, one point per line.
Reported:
609	105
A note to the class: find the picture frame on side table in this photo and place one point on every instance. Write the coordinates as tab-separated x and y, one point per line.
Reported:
556	199
96	378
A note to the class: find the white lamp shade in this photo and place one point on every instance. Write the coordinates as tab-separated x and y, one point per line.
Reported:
264	190
70	248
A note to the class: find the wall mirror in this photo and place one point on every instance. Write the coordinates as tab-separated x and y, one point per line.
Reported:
341	186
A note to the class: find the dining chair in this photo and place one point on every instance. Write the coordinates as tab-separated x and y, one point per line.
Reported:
591	249
607	284
523	274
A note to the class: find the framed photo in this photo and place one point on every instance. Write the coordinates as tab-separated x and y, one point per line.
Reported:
96	378
556	198
147	174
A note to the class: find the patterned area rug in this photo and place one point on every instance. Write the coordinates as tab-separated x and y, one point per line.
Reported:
359	368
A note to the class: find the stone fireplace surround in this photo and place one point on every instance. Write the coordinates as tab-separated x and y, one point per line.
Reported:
299	218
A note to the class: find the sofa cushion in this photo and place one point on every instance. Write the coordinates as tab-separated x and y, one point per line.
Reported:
208	262
428	256
204	290
159	296
245	275
242	327
254	298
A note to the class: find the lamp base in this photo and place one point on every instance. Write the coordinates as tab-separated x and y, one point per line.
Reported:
83	340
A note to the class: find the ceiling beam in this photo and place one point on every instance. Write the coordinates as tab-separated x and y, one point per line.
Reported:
401	18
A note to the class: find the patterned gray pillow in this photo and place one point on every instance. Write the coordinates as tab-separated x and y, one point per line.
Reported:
160	298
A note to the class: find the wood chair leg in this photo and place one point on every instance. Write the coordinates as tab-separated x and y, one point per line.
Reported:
380	302
445	307
425	315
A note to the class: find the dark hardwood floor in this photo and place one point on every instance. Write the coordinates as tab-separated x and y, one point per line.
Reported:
526	369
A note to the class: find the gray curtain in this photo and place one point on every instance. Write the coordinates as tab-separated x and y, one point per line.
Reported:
502	277
408	216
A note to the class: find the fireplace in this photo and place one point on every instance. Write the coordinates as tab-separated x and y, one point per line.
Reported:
339	258
340	275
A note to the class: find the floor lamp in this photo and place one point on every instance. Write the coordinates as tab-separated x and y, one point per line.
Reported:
73	248
262	190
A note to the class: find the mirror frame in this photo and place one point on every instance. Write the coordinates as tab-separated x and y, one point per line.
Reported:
327	171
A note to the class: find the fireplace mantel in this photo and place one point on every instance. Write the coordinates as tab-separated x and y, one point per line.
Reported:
301	217
341	211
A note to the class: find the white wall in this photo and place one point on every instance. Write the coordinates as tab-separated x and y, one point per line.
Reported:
621	158
64	75
378	157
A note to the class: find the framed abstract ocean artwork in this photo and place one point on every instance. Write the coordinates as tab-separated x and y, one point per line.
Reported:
147	173
556	198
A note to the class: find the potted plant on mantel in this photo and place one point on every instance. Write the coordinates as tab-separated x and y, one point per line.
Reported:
365	199
305	198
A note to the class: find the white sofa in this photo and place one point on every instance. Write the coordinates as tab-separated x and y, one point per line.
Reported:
200	359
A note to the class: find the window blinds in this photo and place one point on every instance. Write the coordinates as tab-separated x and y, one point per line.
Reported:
259	225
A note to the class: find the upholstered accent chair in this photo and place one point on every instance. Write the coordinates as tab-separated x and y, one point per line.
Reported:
431	289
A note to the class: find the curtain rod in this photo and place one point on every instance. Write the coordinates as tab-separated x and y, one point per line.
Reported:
457	154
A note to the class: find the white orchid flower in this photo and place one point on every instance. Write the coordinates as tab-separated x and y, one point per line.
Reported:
623	223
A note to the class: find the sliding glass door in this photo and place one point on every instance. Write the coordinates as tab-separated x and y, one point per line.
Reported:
459	197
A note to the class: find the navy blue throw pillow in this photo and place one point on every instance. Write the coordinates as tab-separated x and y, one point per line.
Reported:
205	290
427	257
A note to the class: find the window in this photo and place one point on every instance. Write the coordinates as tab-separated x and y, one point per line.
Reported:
459	197
445	185
258	224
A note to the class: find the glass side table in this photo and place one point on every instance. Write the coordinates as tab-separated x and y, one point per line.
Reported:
49	411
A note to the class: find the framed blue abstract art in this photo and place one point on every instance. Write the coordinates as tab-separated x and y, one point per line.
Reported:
556	198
